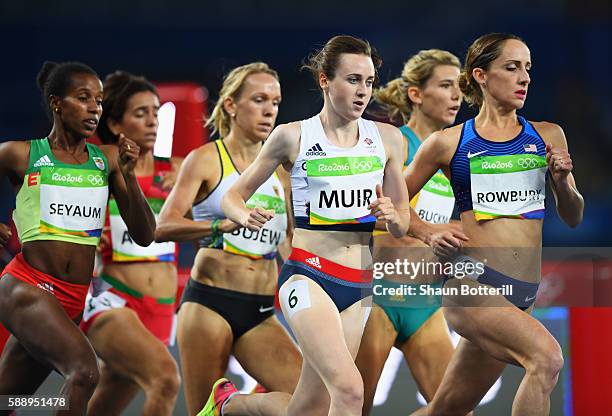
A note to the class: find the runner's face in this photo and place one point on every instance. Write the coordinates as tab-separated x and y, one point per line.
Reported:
351	88
80	109
441	96
507	78
139	121
257	106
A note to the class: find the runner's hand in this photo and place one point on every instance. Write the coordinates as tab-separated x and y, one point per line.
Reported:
446	239
559	163
128	155
257	218
168	179
104	240
5	234
382	208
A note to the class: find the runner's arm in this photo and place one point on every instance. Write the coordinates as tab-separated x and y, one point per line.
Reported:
570	203
133	206
427	161
393	184
172	224
276	150
13	163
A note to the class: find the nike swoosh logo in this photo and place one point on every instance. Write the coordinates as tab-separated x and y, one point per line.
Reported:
529	299
471	155
262	309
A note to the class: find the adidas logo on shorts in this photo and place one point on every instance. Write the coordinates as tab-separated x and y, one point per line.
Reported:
314	261
43	161
46	286
316	150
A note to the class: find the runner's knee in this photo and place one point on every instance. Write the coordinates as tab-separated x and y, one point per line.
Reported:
165	380
85	375
546	364
347	389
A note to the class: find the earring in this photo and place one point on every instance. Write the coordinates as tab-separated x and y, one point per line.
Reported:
233	115
56	110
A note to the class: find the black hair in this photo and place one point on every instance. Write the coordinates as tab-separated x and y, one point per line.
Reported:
55	78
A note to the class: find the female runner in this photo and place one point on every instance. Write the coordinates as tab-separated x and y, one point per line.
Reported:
62	185
427	98
228	303
138	307
337	162
498	163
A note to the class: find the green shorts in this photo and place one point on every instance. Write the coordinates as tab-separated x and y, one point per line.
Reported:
408	306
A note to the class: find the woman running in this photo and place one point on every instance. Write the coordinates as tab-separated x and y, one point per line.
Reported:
139	303
498	163
228	303
427	98
337	162
62	185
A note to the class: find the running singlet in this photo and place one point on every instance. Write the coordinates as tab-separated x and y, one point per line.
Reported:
435	202
333	186
60	201
122	247
500	179
242	241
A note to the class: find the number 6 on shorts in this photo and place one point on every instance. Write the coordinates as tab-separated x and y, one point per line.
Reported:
295	296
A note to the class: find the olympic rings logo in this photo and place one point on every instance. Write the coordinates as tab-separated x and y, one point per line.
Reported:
362	165
527	163
95	180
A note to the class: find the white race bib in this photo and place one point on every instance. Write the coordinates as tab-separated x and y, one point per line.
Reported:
256	244
508	186
341	188
125	249
72	201
105	301
435	202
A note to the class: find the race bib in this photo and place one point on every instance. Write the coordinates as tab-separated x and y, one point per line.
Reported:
341	188
72	201
256	244
125	249
508	186
435	202
105	301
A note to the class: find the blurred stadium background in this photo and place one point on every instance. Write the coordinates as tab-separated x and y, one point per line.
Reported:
186	47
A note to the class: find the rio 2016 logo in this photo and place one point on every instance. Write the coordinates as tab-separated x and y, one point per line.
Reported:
527	163
95	180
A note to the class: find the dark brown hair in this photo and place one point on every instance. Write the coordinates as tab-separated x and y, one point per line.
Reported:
326	59
480	54
118	89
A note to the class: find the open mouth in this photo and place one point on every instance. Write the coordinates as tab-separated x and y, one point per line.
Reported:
359	103
92	123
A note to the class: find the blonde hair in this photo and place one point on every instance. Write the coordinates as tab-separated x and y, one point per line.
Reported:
233	82
417	71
